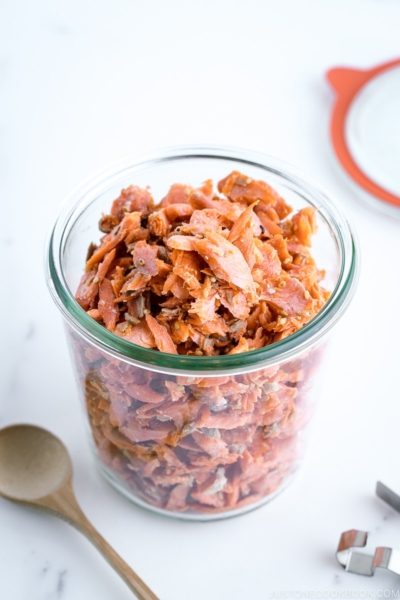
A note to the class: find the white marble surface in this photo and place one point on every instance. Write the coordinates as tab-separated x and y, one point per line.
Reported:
85	83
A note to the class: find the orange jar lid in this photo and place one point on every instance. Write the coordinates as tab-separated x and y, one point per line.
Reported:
365	130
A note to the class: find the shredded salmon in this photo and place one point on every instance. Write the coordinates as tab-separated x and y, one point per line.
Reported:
162	338
211	258
202	273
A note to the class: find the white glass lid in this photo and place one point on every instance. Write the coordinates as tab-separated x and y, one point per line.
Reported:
372	130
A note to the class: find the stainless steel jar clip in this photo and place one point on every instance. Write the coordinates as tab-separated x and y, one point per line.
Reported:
365	564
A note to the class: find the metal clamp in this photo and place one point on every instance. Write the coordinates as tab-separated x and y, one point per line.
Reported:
365	564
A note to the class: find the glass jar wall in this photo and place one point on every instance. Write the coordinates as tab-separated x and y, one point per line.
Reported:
210	436
197	446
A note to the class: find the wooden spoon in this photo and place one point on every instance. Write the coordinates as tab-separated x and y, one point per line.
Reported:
36	471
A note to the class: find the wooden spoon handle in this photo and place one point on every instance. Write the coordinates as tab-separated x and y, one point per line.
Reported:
132	580
64	504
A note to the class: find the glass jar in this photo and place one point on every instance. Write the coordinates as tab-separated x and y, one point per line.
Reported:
197	437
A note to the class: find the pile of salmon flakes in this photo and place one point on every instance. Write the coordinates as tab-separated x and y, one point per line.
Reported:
203	273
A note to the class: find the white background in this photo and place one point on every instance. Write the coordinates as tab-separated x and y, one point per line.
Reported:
84	83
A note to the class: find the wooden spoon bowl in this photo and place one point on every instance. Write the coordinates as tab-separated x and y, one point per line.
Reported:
36	471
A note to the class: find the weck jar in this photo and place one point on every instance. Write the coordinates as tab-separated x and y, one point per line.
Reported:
198	437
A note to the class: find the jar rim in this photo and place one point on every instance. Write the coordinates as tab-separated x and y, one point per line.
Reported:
285	349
